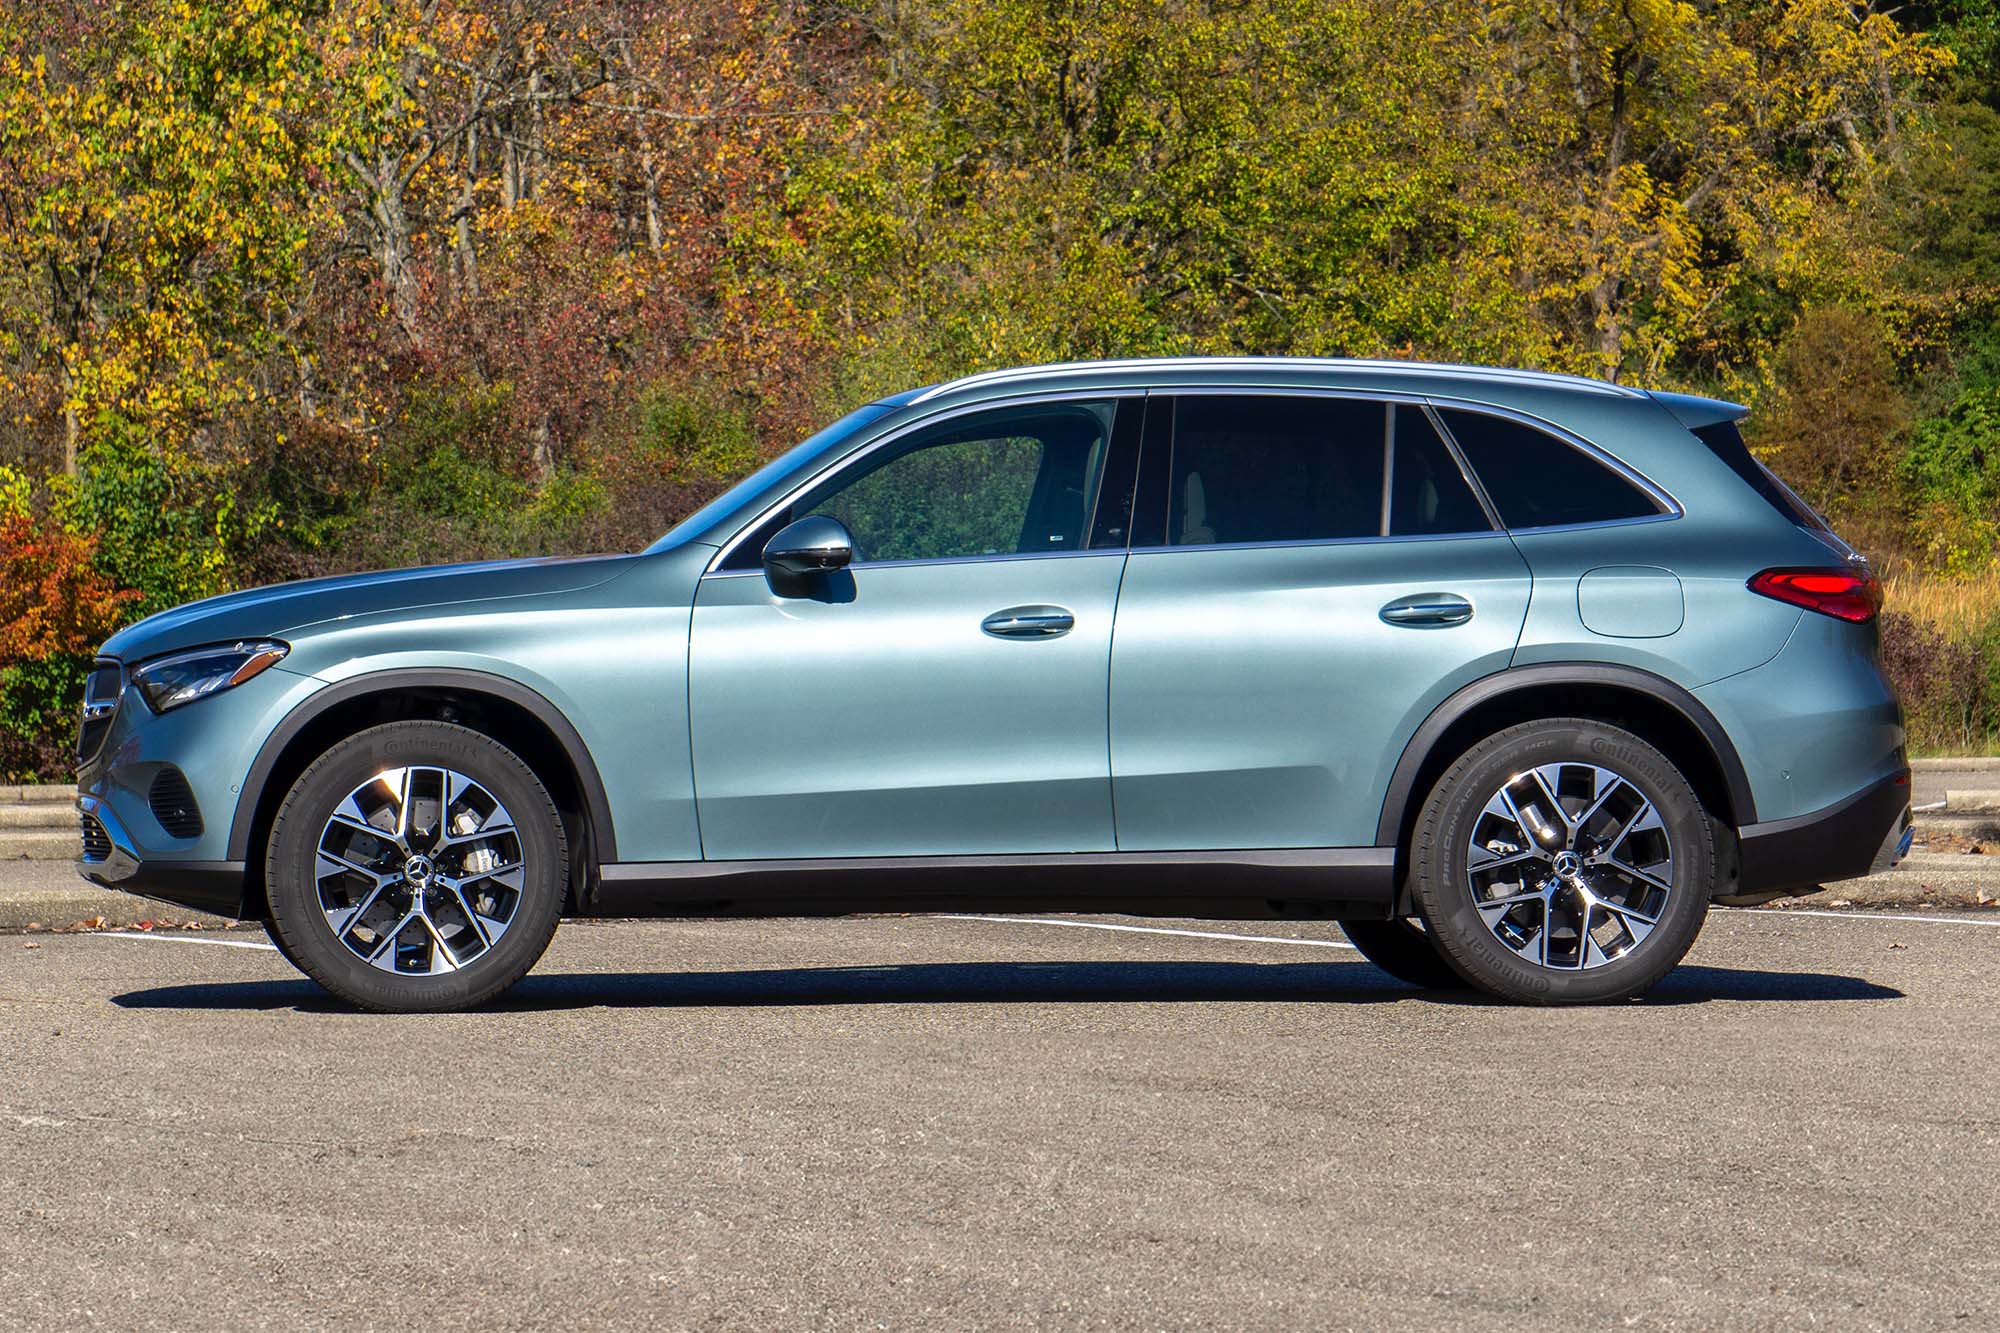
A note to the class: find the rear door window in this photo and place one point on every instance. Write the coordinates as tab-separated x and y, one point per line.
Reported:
1264	468
1538	481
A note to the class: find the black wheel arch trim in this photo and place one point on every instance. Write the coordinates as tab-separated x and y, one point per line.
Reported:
1401	792
598	805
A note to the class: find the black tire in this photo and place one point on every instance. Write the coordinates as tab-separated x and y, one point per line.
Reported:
1403	949
1441	857
299	922
280	943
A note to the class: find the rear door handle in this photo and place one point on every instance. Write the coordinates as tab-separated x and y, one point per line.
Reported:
1029	622
1428	610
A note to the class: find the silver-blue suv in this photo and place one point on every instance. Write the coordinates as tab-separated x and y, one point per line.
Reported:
1510	674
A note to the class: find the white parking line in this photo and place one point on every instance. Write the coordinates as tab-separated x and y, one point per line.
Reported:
1862	916
1148	930
182	939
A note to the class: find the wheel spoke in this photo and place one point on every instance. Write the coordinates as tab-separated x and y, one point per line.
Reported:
387	942
357	824
407	776
1510	901
1582	934
1643	820
440	950
1555	806
1608	790
348	918
1496	861
481	926
1528	831
342	864
1645	877
1630	915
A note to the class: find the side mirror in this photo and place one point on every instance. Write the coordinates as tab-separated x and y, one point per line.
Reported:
815	544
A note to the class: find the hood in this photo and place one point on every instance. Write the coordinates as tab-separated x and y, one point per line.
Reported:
274	611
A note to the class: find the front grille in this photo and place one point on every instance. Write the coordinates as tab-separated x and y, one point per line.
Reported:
173	804
96	842
101	693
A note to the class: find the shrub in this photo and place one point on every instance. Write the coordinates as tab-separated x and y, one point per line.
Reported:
55	608
694	433
167	527
1952	474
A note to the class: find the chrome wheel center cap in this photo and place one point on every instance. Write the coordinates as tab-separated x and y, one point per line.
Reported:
1568	865
418	870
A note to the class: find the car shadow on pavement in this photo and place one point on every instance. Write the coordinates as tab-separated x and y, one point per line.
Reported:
1005	983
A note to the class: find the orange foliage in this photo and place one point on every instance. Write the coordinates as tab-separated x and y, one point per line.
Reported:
52	599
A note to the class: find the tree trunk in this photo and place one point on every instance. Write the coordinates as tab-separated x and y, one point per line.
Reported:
72	430
468	261
392	248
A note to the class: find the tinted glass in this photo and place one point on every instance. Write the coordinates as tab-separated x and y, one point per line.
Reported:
1725	441
999	483
1428	495
1536	480
1303	468
1274	469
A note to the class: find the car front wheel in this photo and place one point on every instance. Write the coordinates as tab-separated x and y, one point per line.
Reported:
1563	861
416	866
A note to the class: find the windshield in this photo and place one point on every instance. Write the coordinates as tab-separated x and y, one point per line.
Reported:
795	459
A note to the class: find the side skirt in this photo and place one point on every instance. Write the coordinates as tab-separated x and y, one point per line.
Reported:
1318	882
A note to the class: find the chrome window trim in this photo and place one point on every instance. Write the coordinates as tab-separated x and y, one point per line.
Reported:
1105	553
1322	541
714	567
1658	494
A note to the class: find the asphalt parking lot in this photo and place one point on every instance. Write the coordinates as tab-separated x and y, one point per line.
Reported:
912	1121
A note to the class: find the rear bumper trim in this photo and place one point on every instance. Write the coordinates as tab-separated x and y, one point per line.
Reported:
1863	835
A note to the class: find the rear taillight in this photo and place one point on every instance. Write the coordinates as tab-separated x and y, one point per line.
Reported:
1844	594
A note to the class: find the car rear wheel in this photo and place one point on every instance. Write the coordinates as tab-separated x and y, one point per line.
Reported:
416	866
1563	861
1403	949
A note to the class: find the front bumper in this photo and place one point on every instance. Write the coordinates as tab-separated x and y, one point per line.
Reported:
1863	835
111	859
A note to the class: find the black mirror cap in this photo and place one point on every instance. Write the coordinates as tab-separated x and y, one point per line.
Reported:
815	544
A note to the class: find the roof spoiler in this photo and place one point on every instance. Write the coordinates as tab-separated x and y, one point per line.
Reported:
1695	412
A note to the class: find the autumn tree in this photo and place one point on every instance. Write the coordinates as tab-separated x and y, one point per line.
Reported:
155	187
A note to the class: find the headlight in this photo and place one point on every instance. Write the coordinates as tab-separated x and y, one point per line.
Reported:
169	682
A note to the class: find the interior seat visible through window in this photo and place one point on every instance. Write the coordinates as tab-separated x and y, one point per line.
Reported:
1257	468
1012	481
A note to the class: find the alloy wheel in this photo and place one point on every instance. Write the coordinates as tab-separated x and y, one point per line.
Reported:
1570	865
419	870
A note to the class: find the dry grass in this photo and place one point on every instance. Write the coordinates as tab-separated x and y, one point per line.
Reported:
1954	607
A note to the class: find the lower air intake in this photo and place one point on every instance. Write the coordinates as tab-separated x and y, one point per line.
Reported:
173	804
96	842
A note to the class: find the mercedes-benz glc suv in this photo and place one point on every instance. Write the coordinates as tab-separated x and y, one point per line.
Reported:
1511	674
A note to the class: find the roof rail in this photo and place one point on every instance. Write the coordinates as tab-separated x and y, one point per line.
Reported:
1488	373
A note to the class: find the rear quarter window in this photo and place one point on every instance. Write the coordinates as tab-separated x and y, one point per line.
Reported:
1725	441
1538	481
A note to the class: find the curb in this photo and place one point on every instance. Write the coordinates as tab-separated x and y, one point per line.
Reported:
58	908
36	794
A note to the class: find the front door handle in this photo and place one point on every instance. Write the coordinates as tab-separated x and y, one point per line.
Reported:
1029	622
1428	610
